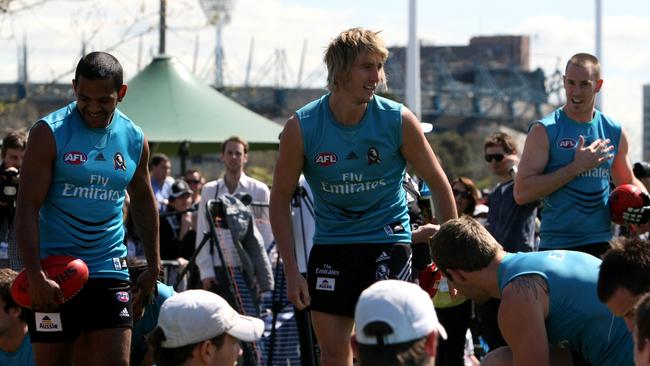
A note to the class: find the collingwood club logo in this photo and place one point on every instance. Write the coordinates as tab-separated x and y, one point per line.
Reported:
118	162
373	156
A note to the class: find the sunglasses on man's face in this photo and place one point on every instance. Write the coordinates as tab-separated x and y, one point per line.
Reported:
496	157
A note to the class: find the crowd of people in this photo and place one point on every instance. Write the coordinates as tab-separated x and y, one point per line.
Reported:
382	267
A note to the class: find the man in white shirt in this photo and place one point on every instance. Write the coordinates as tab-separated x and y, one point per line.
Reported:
234	156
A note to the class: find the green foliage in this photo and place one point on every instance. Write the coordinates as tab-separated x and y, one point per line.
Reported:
461	155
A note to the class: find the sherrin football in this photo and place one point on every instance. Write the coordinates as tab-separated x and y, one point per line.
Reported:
623	197
69	272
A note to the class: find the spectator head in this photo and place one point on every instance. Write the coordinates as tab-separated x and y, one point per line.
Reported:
641	333
343	51
199	327
460	247
624	276
10	312
395	324
13	149
234	154
194	179
466	194
497	148
160	167
180	195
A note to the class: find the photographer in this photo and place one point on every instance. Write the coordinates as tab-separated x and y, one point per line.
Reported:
13	149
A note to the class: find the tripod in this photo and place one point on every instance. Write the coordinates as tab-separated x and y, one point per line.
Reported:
230	292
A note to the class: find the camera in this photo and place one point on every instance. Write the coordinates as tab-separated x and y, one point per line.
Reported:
9	185
218	210
641	169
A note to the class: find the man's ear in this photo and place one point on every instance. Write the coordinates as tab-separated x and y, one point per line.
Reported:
121	92
355	345
432	344
599	84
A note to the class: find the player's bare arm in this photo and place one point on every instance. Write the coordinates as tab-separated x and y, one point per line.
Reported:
417	151
622	168
532	184
285	180
523	309
36	176
145	218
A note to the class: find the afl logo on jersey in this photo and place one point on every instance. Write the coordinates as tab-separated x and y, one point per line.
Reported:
326	159
74	158
566	143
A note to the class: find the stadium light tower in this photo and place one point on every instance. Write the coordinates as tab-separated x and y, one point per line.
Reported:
218	14
413	62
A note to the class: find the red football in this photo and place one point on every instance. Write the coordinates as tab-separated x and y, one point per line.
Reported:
622	198
69	272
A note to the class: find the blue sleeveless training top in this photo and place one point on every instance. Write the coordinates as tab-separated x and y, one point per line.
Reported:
576	318
82	213
355	173
578	212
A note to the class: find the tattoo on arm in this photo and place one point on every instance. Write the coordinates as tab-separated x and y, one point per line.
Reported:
529	286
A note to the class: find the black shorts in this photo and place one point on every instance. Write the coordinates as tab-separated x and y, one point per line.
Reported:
103	303
337	273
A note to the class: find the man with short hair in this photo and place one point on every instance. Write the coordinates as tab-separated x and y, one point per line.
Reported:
569	159
13	150
197	327
396	325
79	163
161	180
511	224
15	345
642	332
624	276
548	299
234	154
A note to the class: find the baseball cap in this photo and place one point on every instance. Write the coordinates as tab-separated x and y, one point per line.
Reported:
403	306
179	188
194	316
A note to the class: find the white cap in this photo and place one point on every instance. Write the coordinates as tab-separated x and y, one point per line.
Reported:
193	316
403	306
481	209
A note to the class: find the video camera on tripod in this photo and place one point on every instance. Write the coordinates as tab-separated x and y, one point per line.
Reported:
219	211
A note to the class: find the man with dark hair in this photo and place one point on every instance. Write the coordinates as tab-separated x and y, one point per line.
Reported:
79	163
512	225
548	299
642	332
13	150
15	346
624	276
396	325
197	327
569	159
161	180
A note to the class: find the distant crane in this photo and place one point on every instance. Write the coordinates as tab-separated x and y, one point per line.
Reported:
218	14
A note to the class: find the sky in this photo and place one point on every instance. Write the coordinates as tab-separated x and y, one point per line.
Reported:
54	31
